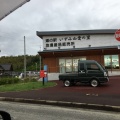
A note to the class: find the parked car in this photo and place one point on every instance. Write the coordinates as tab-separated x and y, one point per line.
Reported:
89	71
5	74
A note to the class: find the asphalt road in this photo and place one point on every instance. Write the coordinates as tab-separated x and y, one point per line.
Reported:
20	111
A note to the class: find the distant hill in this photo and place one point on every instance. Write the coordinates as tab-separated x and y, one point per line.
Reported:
32	62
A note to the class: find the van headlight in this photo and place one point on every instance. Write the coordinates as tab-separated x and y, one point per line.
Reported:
105	74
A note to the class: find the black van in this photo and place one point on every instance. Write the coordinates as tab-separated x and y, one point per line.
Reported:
89	71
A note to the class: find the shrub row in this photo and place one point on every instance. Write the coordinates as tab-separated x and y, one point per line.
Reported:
7	80
29	80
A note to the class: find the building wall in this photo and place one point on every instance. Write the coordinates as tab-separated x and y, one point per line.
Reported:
98	58
52	63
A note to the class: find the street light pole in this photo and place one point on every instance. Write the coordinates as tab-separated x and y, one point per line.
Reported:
24	58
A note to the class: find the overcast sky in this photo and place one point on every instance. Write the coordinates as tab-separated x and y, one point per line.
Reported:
54	15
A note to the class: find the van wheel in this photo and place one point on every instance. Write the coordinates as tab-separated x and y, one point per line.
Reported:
94	83
67	83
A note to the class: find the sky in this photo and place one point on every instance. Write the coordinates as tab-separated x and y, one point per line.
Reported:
54	15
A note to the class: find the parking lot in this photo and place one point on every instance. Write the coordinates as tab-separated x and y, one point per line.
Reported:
112	87
106	94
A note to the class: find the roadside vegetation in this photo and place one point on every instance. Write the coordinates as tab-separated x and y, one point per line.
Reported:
15	84
18	62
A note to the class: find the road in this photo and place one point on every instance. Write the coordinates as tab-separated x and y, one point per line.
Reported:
22	111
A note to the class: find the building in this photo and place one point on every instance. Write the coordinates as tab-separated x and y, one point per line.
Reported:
6	69
63	49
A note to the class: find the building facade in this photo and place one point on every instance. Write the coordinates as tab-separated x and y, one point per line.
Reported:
63	49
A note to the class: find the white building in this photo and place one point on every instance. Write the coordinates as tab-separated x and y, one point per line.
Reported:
62	49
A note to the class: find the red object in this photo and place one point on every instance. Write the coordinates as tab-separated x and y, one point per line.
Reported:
117	35
42	73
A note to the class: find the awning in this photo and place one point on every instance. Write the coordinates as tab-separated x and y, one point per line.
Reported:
8	6
80	52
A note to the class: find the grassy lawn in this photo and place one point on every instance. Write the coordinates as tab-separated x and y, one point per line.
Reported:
25	86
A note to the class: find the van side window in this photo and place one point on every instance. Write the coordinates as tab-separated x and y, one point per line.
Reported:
92	66
82	66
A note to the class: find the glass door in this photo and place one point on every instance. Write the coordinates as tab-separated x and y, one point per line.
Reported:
75	65
68	65
62	65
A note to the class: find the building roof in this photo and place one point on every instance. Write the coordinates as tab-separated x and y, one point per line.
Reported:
75	32
7	67
1	68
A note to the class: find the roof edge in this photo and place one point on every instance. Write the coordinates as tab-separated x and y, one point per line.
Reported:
75	32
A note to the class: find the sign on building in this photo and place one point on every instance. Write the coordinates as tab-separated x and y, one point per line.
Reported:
78	41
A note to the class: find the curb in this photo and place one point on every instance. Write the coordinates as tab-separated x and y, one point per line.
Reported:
64	104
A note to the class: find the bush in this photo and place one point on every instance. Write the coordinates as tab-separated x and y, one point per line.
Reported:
26	80
33	80
30	80
7	80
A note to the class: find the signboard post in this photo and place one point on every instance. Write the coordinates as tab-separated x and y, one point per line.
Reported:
45	72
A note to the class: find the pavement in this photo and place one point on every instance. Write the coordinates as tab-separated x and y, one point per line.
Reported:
104	97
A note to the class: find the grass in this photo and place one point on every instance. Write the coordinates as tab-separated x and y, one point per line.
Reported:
25	86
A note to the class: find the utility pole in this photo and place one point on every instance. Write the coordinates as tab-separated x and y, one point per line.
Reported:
40	58
24	58
36	66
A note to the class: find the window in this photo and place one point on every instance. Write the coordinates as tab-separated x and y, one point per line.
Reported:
69	64
111	61
92	66
75	65
82	66
62	65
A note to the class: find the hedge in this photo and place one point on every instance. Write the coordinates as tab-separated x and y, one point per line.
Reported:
7	80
